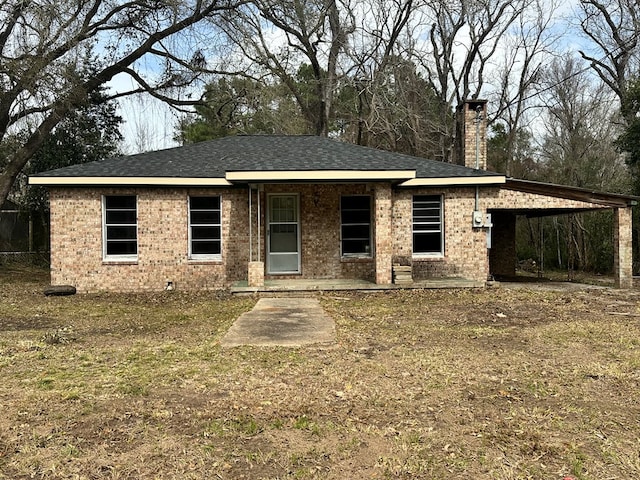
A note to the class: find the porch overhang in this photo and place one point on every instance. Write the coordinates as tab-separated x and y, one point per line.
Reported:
275	176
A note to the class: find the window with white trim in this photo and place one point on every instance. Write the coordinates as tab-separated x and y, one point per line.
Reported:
205	228
427	225
120	227
355	228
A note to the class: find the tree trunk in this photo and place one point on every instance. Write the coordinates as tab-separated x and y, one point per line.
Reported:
17	161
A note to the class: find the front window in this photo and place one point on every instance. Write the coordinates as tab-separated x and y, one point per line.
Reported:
427	225
355	211
120	227
205	228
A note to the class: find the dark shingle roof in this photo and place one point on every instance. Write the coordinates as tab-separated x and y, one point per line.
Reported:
211	159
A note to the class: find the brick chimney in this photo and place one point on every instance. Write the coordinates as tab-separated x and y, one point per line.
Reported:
471	151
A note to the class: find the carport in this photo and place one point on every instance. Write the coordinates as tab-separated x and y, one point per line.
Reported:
538	199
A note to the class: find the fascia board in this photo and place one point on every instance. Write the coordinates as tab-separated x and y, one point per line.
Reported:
454	181
129	181
318	175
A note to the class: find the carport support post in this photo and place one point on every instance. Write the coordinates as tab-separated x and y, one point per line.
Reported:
622	248
383	238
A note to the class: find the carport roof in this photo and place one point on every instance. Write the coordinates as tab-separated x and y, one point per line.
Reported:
572	193
266	158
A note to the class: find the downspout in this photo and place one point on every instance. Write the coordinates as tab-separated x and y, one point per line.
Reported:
259	229
250	230
477	122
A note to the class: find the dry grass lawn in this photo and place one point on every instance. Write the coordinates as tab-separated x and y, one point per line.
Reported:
495	384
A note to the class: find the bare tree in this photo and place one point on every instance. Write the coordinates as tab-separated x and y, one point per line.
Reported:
463	39
45	45
278	38
317	47
322	48
393	103
398	111
527	48
613	27
578	147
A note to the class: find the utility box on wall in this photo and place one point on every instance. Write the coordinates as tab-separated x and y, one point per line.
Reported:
481	220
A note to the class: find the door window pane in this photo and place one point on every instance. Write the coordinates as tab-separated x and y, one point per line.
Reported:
284	238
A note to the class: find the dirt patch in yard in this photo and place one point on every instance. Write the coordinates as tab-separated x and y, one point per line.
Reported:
494	384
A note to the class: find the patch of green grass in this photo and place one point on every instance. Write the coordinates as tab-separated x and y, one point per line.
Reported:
72	395
70	450
245	425
277	424
215	428
304	423
133	389
46	383
578	468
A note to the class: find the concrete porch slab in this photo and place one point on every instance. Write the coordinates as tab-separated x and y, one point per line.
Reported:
290	322
319	285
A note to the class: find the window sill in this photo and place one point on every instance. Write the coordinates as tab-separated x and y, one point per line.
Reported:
357	259
427	258
205	261
113	261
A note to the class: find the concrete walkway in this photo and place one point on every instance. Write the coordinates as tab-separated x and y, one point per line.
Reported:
290	322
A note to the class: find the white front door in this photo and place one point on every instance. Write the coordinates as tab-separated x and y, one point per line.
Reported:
283	234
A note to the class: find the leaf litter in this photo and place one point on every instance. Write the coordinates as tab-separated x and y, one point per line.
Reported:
489	384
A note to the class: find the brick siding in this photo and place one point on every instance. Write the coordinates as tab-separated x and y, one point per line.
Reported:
320	231
622	244
465	248
383	228
76	235
465	141
76	241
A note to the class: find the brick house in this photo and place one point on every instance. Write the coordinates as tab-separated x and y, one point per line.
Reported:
256	208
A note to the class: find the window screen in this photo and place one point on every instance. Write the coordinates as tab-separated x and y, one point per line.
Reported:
355	213
120	226
205	230
427	224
